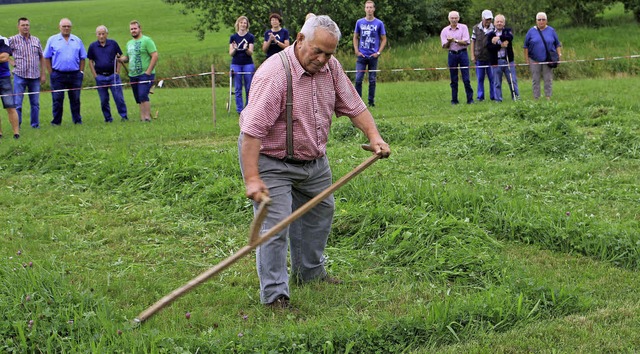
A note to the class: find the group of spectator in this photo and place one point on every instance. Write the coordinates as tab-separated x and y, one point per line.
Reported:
241	46
64	59
369	40
492	53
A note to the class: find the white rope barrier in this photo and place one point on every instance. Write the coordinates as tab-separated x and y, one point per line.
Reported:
181	77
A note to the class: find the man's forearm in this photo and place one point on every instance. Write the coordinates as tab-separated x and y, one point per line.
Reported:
250	153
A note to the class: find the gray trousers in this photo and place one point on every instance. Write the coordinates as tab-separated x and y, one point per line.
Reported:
547	75
291	186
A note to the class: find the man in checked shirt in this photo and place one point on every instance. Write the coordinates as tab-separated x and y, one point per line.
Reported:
29	69
320	88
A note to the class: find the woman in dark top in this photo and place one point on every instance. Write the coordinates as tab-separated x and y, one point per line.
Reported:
241	48
276	38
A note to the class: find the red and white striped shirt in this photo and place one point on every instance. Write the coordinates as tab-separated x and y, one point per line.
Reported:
27	53
315	99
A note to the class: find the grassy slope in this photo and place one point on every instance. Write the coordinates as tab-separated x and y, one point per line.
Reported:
170	30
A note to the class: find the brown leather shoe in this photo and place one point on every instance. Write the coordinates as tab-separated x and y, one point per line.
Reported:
281	302
331	280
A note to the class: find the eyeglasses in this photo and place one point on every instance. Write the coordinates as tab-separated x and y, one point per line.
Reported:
541	19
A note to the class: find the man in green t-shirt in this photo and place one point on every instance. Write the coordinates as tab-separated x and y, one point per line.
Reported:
142	56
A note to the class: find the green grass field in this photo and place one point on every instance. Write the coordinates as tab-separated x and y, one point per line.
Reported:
509	227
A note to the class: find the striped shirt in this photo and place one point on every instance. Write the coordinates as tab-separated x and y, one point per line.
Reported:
315	99
26	53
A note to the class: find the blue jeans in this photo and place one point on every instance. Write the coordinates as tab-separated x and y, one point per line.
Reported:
480	73
33	85
247	76
509	72
66	80
7	92
290	187
361	65
459	59
112	82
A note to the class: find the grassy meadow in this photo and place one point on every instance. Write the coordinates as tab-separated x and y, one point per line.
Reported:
509	227
181	53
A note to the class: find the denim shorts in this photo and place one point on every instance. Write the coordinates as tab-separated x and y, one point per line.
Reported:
7	89
141	88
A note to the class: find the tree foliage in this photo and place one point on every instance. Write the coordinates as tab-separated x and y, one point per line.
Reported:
634	7
423	19
520	14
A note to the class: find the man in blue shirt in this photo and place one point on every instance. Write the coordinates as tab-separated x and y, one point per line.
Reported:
105	68
369	39
64	57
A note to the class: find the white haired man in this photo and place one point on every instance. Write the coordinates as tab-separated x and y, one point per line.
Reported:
293	171
105	68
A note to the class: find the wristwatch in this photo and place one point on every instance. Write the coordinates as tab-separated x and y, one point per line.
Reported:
378	53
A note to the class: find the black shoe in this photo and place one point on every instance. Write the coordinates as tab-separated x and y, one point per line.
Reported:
281	302
371	104
16	136
124	119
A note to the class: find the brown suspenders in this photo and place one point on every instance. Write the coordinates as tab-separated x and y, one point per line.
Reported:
289	104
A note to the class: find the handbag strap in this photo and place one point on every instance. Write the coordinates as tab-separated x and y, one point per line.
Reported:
546	49
289	104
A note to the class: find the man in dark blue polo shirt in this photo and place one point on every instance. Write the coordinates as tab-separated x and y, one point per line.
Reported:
6	90
64	57
105	68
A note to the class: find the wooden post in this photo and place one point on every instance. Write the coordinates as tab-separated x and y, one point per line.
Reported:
213	94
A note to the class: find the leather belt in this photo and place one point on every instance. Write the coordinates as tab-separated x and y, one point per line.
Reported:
457	51
295	161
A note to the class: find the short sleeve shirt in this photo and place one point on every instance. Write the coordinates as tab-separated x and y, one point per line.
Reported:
65	54
241	57
316	98
281	35
370	33
139	52
4	48
104	57
26	53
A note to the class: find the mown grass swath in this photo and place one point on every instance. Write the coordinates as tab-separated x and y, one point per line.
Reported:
509	226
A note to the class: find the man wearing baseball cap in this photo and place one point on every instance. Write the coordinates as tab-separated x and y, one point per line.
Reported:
480	54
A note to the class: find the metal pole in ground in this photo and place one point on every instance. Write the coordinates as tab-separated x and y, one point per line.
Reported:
230	91
513	91
213	94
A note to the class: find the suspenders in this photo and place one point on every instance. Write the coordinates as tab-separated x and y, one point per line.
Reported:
289	104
